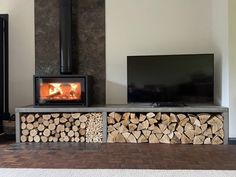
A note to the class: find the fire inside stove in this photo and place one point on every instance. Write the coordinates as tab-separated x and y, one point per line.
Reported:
60	91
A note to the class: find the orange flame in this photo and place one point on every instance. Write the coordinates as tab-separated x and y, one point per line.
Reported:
60	91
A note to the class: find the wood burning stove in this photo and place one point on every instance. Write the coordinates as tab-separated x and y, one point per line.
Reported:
62	90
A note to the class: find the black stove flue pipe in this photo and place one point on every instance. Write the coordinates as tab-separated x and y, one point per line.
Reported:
65	37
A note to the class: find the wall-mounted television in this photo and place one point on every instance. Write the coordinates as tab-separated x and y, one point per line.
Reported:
178	79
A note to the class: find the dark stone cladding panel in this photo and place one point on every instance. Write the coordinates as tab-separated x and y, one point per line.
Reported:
88	40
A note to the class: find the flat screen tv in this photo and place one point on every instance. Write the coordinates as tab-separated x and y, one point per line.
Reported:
178	79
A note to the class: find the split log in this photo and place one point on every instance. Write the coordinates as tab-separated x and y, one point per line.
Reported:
117	117
185	139
166	132
173	118
207	141
150	115
204	127
188	126
151	127
217	140
145	124
136	134
172	127
146	133
63	120
216	124
126	135
151	121
190	134
111	121
162	127
220	133
132	127
142	139
165	119
122	129
208	133
46	117
181	116
197	131
117	126
66	115
125	122
153	139
165	139
158	116
120	138
204	117
157	130
75	115
126	116
142	118
134	120
131	139
178	135
55	115
199	139
175	140
184	121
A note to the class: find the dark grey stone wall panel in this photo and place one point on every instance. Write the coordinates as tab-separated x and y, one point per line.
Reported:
88	39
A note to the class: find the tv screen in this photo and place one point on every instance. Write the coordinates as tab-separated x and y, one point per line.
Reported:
185	79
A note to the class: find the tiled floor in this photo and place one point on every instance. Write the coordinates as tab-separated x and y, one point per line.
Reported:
117	156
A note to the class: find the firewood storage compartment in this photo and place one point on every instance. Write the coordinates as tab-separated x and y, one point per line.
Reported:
121	123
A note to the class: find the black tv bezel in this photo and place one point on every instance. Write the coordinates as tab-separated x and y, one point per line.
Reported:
174	103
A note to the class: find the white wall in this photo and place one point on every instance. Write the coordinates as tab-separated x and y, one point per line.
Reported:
221	50
232	67
21	50
135	27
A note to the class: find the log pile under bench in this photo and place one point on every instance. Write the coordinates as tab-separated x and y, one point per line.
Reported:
61	127
169	128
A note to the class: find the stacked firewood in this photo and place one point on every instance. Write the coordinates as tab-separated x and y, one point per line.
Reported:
169	128
61	127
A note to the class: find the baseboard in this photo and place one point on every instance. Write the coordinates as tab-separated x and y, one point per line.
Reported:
232	140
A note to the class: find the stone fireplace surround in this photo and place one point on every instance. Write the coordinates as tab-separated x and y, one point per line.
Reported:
123	124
